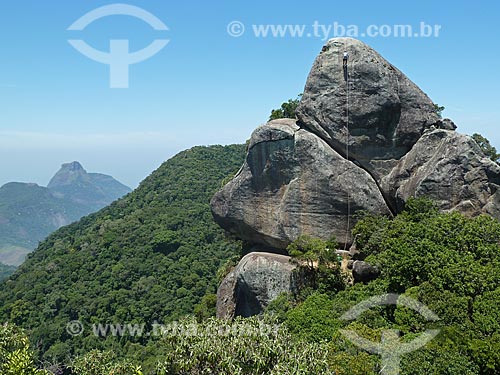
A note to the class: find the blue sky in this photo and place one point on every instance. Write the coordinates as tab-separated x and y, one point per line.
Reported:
207	87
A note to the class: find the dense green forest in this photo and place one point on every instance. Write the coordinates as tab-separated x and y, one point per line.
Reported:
445	260
149	257
29	213
6	271
449	262
153	257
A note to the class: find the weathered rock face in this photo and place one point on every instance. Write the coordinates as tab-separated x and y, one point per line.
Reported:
292	183
257	280
297	178
387	112
449	168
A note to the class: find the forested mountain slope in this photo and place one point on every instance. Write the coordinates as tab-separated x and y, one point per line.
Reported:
148	257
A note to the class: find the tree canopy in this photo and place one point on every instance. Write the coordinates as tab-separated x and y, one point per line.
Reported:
488	149
287	109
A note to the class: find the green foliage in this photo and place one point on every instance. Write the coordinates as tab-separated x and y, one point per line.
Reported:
369	232
149	257
314	319
486	353
488	149
450	251
486	312
166	241
419	209
16	356
449	262
227	267
103	363
439	110
318	266
206	308
311	251
438	360
287	109
6	271
353	363
280	306
244	346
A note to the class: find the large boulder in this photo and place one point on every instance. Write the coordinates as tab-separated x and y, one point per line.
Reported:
363	272
293	183
257	280
449	168
299	177
366	138
387	112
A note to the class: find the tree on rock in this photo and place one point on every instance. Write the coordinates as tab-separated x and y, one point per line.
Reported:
439	110
311	251
318	264
488	149
287	109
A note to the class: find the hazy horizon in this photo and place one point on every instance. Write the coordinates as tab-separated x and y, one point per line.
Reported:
208	86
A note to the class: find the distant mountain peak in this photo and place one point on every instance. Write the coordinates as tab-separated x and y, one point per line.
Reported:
97	190
73	166
68	174
28	212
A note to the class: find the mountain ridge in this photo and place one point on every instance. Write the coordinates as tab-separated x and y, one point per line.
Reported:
149	256
29	212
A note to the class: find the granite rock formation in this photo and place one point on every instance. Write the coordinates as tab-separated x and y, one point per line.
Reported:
366	138
253	284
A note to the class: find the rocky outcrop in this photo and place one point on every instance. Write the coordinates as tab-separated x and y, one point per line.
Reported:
387	112
449	168
366	139
298	179
292	183
94	190
363	272
257	280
